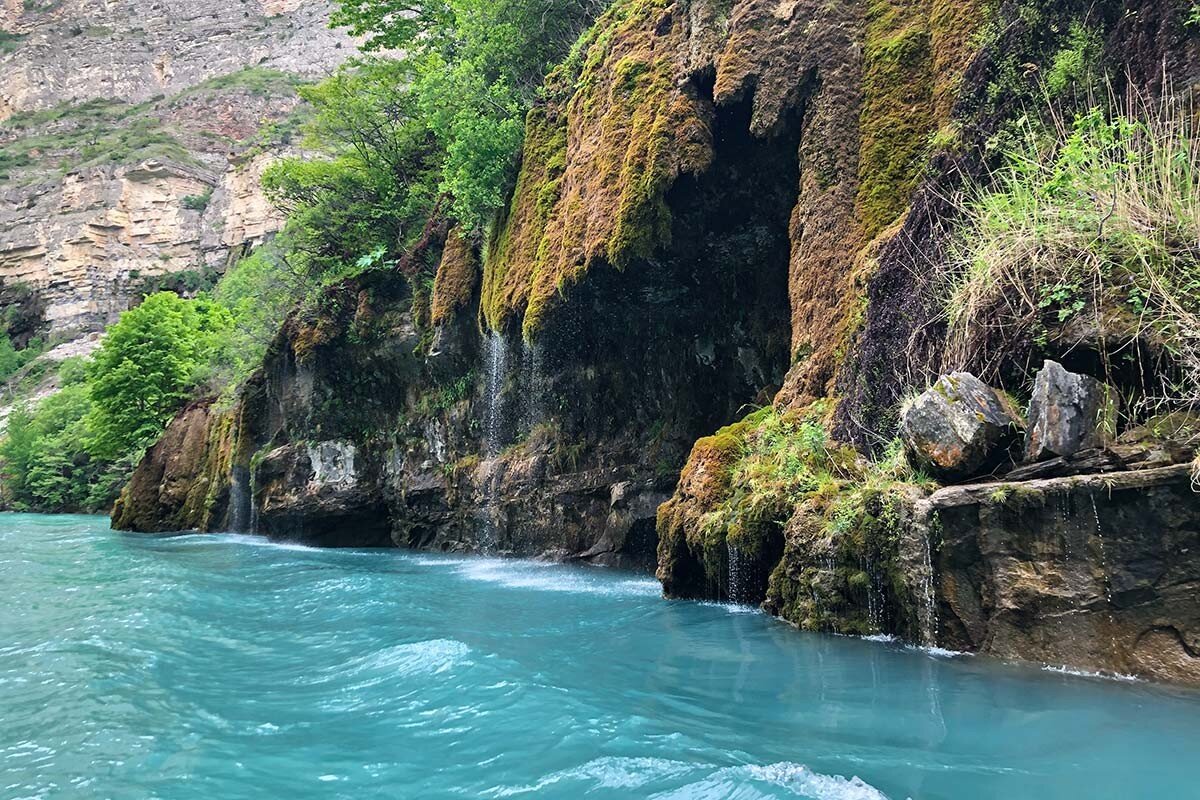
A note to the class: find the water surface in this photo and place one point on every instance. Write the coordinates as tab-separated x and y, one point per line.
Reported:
226	667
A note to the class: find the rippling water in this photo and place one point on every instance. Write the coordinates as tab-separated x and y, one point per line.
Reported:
225	667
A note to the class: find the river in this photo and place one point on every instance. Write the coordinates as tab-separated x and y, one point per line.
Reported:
223	666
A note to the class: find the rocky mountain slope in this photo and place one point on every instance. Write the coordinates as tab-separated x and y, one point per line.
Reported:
724	207
132	140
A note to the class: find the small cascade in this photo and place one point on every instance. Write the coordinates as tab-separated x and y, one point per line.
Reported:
252	505
875	602
1100	542
239	500
495	368
1104	564
736	588
929	621
533	387
494	427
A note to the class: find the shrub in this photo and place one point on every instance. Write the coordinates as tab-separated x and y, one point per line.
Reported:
145	367
1099	217
197	202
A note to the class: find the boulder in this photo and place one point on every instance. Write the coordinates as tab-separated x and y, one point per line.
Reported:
958	426
1068	412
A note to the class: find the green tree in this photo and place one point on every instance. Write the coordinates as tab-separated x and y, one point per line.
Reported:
259	291
378	183
476	68
145	367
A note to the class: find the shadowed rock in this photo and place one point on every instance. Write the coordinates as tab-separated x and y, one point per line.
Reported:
1068	413
958	426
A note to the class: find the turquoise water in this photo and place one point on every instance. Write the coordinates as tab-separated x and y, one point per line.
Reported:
224	667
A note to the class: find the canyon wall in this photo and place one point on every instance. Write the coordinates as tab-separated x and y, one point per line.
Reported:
132	139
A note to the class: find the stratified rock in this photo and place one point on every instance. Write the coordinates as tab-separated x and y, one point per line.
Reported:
958	426
1069	412
1097	572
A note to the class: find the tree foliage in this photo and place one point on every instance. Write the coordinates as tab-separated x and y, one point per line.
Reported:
429	125
377	183
146	366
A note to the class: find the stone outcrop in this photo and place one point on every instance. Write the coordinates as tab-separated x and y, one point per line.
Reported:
1068	413
958	426
134	133
1099	572
183	482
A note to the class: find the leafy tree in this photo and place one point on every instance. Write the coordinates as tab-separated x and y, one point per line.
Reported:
378	184
145	367
259	291
476	67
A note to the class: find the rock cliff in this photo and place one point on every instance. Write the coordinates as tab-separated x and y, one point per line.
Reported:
722	206
130	144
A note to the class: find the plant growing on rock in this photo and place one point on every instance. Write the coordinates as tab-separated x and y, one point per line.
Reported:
1096	222
819	522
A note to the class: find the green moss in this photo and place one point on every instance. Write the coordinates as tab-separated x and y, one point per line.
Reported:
913	56
774	481
576	205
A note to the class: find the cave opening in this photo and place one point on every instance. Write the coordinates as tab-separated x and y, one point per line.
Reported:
675	346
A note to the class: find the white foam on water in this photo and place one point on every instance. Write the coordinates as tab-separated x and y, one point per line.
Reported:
1082	673
244	539
938	652
552	578
437	561
731	608
815	785
886	638
416	658
631	774
430	657
610	772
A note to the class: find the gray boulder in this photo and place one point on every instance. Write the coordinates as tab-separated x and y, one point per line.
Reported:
958	427
1068	413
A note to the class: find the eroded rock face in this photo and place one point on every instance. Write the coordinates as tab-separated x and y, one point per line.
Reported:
958	427
182	482
134	50
91	231
1068	413
1099	573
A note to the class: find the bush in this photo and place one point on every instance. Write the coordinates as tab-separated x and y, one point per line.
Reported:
197	202
1100	217
146	366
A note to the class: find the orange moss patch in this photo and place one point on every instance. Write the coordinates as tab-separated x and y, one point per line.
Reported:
308	336
456	279
596	167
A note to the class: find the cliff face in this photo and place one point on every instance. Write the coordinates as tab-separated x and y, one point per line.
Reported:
129	141
720	206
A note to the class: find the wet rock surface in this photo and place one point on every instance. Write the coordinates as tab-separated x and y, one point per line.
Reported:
1068	413
958	427
1097	572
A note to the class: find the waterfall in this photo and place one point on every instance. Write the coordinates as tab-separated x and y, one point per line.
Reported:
496	354
875	600
494	425
239	500
253	506
533	387
735	588
1107	574
929	621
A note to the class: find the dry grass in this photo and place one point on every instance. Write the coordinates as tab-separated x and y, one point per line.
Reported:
1096	220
